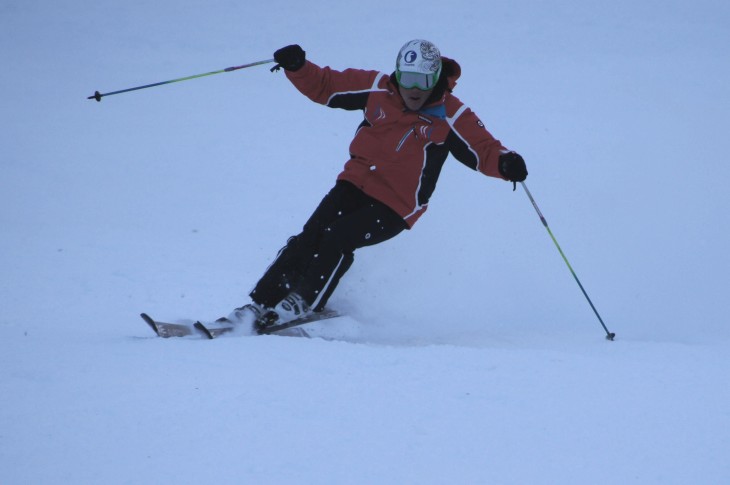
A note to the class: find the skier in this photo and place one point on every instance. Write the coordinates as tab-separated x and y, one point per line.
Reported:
412	121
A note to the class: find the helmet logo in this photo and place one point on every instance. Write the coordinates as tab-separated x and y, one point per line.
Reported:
410	56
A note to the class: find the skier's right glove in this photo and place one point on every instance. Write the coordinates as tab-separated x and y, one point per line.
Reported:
291	58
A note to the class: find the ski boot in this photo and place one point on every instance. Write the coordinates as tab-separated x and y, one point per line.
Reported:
290	308
247	315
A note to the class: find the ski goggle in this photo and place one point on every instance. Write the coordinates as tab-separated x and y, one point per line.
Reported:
418	80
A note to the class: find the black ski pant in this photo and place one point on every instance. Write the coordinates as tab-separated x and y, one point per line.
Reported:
313	261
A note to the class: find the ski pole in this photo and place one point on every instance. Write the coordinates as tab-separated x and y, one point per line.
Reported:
97	95
609	335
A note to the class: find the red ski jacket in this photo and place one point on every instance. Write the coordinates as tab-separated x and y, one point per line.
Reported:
397	154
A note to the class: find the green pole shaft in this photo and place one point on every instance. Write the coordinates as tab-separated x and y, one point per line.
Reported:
609	335
97	95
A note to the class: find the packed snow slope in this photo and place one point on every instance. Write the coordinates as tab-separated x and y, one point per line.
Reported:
469	354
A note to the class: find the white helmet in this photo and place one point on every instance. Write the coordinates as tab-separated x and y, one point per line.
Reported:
418	65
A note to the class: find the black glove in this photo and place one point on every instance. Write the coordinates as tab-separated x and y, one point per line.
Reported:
291	58
512	167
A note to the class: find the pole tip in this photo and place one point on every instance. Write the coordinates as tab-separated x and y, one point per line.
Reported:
96	96
610	336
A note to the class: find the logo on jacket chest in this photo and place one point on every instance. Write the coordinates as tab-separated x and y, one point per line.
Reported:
421	131
408	129
378	115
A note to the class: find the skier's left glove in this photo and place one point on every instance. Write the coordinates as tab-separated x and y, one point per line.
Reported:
291	58
512	167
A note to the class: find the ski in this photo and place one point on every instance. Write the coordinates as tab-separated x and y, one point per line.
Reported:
214	332
314	317
167	330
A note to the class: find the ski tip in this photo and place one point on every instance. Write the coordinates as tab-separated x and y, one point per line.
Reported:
212	332
202	328
150	322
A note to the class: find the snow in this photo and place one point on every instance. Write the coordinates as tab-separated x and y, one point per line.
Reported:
469	354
